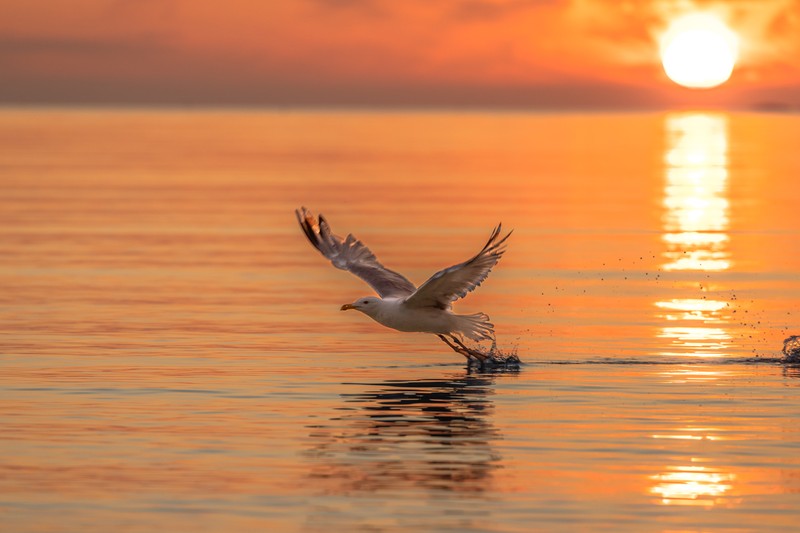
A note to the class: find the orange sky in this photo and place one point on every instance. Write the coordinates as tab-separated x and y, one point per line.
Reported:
546	53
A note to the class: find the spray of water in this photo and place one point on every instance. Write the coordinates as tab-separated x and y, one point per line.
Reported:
791	349
485	358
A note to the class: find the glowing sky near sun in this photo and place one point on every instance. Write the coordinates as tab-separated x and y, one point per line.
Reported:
378	51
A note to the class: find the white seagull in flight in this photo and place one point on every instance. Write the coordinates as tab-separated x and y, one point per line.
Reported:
401	305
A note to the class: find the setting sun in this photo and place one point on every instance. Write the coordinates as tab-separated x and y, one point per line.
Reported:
699	51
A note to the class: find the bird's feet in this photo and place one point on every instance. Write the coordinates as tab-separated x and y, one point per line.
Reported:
481	360
459	347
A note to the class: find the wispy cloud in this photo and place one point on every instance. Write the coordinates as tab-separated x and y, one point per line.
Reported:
768	29
10	45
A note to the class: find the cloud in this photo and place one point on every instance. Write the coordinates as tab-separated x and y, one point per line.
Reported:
769	30
493	9
78	46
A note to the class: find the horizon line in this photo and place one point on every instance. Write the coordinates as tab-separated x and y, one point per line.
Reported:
762	107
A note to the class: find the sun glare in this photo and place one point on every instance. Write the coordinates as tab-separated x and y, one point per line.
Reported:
699	51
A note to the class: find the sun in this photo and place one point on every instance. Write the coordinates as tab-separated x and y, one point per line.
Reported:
699	51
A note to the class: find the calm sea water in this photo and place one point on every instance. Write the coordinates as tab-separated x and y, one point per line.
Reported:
172	356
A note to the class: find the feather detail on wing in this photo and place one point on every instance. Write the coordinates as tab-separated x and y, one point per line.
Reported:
450	284
352	255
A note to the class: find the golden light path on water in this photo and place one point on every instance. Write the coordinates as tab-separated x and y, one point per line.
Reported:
692	485
695	194
696	220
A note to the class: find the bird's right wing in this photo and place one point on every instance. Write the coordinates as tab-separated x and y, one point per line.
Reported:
352	255
452	283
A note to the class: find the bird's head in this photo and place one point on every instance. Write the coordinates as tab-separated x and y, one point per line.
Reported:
367	305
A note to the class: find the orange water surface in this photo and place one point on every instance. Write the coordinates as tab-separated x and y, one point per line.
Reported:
173	358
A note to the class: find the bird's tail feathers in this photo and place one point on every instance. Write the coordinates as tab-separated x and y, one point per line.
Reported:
476	327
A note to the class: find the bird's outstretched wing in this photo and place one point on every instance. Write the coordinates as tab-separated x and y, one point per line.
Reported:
450	284
352	255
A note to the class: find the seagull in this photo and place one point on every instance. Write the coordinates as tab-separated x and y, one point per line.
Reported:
400	304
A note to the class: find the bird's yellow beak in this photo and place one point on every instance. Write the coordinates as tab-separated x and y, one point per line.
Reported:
345	307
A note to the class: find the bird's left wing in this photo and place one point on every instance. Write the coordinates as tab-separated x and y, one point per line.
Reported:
455	282
352	255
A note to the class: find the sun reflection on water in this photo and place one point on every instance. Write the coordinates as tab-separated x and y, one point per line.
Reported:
696	326
698	342
695	194
693	374
696	221
693	309
693	485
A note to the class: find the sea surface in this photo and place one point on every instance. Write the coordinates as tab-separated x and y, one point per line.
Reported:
173	357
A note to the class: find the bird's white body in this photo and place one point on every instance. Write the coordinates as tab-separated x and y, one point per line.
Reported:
393	313
397	313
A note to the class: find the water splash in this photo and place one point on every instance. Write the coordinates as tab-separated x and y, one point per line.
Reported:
493	359
791	349
483	358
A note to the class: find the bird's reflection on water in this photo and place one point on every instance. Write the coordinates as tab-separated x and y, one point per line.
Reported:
430	434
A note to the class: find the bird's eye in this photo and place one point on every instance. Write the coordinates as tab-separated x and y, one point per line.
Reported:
365	302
